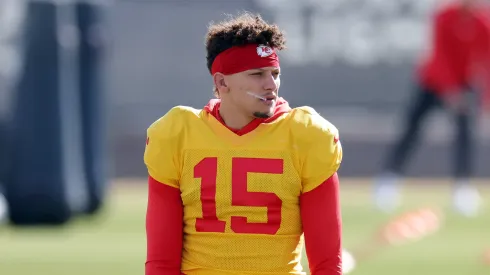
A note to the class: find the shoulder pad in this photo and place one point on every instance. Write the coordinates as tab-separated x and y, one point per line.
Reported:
173	122
307	122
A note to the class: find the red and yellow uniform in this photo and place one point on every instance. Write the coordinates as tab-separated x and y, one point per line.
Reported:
245	197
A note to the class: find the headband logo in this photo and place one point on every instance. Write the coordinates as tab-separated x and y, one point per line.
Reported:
264	51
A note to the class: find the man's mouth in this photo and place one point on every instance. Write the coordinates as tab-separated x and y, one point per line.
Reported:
264	98
268	100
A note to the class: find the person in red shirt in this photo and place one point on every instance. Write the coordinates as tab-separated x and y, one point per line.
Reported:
448	77
238	186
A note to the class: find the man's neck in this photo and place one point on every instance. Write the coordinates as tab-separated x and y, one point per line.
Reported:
232	117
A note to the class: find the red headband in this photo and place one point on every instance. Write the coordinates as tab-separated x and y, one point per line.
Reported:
241	58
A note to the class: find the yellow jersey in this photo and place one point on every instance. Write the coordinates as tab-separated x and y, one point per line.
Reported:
240	194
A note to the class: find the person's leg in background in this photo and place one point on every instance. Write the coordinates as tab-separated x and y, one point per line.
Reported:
386	193
466	199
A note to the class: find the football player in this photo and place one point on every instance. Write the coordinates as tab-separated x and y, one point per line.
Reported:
235	187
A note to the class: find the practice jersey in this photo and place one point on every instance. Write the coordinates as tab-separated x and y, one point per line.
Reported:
241	193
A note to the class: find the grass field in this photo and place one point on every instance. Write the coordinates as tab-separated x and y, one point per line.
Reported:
114	243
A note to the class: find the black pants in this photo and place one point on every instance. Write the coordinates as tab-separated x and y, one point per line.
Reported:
425	101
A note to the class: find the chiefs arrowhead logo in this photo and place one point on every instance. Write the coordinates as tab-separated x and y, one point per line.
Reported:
336	139
264	51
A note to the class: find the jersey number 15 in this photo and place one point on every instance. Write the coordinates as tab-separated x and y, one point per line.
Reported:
207	171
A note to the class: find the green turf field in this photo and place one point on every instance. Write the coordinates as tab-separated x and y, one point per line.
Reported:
114	243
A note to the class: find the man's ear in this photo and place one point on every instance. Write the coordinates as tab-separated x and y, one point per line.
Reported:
220	82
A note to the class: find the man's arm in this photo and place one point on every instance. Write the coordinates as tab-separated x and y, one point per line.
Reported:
321	154
483	64
443	44
164	229
322	226
164	217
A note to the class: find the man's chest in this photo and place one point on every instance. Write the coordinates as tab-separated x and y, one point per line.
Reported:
241	190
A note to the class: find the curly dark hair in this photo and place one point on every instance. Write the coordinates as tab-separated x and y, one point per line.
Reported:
244	29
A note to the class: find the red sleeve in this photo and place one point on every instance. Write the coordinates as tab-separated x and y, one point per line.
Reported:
484	65
442	45
322	226
440	33
164	229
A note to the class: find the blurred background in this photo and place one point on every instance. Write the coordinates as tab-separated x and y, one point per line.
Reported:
84	79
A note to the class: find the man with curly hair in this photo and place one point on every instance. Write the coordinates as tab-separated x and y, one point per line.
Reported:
235	186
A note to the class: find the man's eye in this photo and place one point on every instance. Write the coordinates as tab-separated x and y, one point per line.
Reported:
259	73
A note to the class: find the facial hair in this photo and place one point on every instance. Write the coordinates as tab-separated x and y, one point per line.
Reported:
262	114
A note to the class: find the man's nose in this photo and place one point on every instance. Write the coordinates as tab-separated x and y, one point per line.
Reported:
271	83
